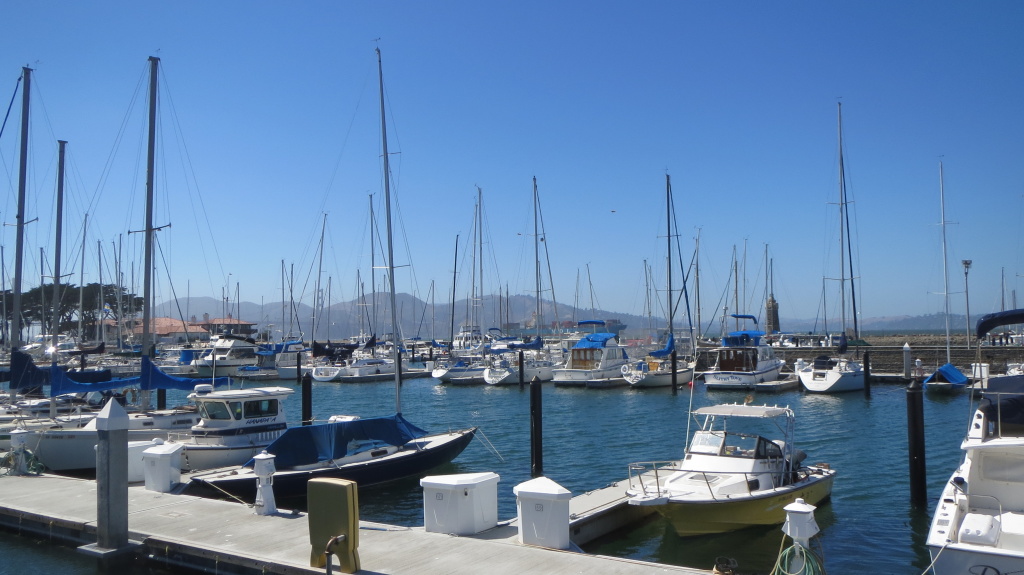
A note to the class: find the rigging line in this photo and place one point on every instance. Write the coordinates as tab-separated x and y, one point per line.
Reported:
174	296
14	96
190	171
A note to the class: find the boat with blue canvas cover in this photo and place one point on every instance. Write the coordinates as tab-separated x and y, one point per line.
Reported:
742	361
946	379
368	451
595	361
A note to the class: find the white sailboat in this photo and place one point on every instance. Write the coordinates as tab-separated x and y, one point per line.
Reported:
839	373
662	368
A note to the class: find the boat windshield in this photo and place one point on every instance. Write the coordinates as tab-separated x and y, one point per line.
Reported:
214	410
709	442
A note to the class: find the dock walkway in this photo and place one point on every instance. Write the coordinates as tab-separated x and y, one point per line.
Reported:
227	537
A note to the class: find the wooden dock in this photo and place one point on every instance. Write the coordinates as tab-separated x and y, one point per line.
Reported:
227	537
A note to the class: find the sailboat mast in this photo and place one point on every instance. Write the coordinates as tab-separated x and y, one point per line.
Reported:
55	338
147	282
945	274
842	219
668	217
396	345
19	248
536	259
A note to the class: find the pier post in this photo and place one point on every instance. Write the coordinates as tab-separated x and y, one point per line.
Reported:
867	374
307	399
298	368
111	486
536	431
522	373
915	443
161	398
906	360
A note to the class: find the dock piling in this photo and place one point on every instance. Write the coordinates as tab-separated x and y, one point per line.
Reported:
867	374
915	443
307	399
536	430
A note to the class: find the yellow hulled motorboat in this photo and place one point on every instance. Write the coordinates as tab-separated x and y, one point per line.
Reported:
730	478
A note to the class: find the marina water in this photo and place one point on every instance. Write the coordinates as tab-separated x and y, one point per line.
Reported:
590	437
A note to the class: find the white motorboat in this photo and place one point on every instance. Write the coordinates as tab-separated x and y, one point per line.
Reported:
595	361
742	361
731	477
978	526
227	354
235	425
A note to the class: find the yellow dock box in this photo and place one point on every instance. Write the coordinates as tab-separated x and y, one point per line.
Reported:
333	520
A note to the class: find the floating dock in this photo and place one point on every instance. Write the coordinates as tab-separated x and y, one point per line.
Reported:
227	537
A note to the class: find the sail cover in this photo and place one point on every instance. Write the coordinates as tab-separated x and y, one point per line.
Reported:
949	374
309	444
993	320
150	378
537	343
667	350
594	341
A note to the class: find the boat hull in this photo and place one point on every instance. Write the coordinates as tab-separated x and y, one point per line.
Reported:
417	457
831	381
708	516
740	379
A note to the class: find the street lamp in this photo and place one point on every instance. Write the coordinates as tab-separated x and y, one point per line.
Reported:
967	298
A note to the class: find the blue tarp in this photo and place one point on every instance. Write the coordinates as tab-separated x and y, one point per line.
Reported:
309	444
24	373
537	343
670	345
150	378
949	374
594	341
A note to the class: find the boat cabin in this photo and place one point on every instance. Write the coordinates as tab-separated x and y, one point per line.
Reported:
239	409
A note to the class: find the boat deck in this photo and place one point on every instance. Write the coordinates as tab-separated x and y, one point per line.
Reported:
200	533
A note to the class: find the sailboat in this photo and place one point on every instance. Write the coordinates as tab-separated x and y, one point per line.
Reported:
662	368
367	451
537	363
837	373
947	378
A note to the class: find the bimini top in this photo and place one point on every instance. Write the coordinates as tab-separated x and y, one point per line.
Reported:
740	410
594	341
993	320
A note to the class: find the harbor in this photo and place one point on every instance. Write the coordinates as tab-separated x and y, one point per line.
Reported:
863	438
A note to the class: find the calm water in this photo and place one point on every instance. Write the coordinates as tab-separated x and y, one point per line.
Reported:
590	436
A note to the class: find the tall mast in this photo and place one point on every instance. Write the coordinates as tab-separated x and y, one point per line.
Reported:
147	273
668	218
536	258
396	347
19	247
842	219
945	274
81	281
61	145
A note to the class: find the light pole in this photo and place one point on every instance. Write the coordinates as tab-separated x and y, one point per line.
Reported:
967	298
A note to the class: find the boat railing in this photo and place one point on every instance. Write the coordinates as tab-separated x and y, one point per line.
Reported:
647	478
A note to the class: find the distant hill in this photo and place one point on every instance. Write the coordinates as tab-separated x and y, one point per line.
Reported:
419	319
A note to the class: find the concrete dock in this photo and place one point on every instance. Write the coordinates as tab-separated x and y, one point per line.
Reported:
227	537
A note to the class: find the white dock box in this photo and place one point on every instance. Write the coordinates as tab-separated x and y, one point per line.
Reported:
136	466
543	508
461	504
163	466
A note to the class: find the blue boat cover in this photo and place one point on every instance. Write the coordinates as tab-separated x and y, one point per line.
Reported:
667	350
993	320
309	444
594	341
150	378
949	374
537	343
742	338
745	316
24	373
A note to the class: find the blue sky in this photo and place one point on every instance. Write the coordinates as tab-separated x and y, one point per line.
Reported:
269	120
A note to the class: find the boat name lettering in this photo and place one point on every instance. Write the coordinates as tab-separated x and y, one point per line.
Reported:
259	420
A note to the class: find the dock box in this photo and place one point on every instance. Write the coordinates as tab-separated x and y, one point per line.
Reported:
163	466
543	508
461	504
